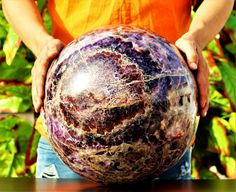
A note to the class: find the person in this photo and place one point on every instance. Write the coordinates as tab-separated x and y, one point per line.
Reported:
72	18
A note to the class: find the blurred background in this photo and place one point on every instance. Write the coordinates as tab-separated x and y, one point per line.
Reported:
214	151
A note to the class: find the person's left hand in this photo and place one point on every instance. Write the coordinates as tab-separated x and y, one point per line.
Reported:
189	46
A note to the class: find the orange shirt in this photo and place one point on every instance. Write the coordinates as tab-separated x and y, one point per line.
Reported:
72	18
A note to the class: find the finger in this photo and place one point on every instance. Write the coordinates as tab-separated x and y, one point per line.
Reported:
36	95
40	70
34	92
203	86
39	91
39	86
190	50
39	74
205	109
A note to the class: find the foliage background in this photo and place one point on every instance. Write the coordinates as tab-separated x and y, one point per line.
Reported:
214	152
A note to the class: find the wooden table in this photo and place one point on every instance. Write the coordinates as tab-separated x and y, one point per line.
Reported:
53	185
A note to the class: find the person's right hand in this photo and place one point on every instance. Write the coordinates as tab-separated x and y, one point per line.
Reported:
190	47
49	51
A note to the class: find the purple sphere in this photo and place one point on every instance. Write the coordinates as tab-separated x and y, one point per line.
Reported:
120	105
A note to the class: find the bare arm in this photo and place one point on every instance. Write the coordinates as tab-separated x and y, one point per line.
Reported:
207	22
25	18
210	19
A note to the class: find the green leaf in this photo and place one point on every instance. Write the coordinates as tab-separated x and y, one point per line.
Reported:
225	123
230	25
7	151
2	54
8	122
3	32
11	45
229	164
21	128
41	4
232	121
231	21
231	48
17	129
6	160
218	101
24	132
228	73
215	47
231	136
6	134
19	70
17	166
19	91
13	149
10	104
3	21
195	169
217	140
215	74
15	98
45	14
9	145
47	21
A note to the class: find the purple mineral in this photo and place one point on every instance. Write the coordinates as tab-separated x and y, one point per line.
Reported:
120	105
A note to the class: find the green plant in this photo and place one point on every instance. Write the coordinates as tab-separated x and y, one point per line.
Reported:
18	143
214	154
18	138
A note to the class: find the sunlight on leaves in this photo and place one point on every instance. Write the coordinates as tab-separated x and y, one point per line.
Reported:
218	141
232	121
228	73
11	45
230	165
217	100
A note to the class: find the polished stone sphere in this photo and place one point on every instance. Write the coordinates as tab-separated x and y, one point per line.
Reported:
120	105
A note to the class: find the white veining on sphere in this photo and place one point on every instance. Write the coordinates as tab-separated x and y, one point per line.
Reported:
105	97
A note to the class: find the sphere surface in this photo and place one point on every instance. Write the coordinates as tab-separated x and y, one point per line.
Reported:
119	106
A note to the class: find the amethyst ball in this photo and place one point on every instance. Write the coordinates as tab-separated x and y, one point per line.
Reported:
120	105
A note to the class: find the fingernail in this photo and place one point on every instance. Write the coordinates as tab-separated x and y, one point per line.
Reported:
205	113
36	106
202	103
194	65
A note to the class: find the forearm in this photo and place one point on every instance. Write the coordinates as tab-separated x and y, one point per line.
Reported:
26	20
209	19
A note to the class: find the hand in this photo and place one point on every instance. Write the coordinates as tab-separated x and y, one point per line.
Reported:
49	51
189	46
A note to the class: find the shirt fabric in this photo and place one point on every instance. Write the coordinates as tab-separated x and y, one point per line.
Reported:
72	18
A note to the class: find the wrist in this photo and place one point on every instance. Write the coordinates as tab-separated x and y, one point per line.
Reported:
194	37
42	39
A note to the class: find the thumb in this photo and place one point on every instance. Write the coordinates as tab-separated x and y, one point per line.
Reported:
191	52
